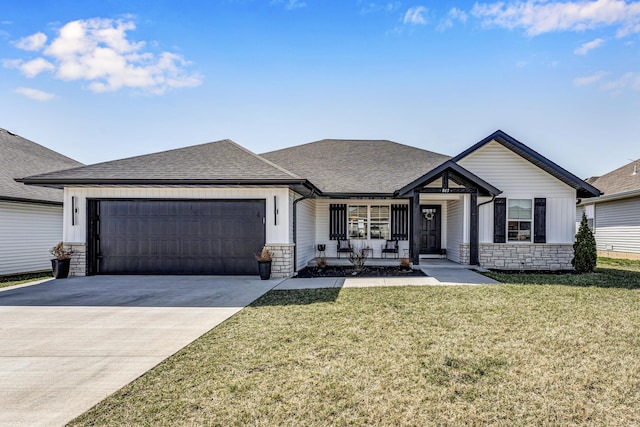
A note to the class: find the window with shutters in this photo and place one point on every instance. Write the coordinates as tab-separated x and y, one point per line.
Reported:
380	222
519	214
358	222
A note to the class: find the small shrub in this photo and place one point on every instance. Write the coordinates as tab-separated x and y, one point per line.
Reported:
59	252
321	262
358	257
405	263
264	255
585	255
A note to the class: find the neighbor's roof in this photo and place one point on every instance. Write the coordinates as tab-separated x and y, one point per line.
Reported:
20	157
582	188
341	166
620	180
220	162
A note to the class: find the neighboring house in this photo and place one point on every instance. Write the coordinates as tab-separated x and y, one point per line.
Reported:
207	209
614	217
30	217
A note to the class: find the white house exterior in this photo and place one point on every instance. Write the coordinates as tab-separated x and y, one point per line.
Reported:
30	217
498	205
613	217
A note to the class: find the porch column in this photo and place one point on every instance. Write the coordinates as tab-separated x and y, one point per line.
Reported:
473	230
415	228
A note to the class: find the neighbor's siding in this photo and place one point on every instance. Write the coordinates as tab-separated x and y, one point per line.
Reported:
520	179
275	234
618	226
27	232
455	230
306	232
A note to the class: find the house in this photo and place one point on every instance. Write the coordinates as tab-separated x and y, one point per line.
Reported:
30	217
613	217
208	208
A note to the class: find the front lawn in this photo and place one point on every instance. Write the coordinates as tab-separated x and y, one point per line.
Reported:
18	279
478	355
610	273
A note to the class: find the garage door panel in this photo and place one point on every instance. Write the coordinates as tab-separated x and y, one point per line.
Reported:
179	237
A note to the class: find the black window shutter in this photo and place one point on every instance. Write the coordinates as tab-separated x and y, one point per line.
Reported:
540	220
399	222
499	220
337	221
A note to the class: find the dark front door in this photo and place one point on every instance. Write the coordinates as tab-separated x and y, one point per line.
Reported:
176	236
430	237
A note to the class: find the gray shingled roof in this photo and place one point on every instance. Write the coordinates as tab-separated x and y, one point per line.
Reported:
20	157
620	180
339	166
215	161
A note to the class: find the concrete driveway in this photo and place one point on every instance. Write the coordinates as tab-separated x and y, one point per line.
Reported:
67	344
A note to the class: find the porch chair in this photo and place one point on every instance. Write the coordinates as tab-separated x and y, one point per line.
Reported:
344	247
391	247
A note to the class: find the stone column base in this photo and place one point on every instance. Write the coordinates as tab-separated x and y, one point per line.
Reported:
78	266
282	259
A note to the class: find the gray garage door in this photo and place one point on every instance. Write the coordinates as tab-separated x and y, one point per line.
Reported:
176	236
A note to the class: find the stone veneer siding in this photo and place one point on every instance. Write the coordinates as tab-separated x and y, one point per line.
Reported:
78	266
464	254
282	260
544	256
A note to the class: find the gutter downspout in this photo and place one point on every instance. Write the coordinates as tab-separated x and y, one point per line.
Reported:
295	228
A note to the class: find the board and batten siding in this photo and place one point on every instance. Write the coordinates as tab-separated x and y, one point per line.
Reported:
275	234
618	225
27	232
518	178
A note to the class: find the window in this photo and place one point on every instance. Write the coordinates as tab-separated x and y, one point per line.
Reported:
369	222
519	223
590	213
380	223
358	222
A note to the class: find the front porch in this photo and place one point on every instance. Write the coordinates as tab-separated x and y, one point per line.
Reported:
425	262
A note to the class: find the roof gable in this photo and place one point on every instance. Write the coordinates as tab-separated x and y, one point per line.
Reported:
583	189
357	167
20	157
456	173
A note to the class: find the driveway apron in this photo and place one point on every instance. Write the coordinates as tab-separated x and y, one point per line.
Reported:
68	344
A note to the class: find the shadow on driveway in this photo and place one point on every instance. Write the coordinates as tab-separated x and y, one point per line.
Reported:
141	291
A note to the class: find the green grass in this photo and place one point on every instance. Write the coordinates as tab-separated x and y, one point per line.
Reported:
610	273
407	356
18	279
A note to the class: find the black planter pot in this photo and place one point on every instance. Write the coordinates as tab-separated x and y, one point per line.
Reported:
60	268
264	267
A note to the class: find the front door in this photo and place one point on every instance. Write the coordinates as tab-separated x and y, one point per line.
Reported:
430	236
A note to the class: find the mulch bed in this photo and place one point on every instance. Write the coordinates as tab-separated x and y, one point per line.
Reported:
311	272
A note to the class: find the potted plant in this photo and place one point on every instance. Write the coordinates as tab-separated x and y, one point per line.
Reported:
62	260
264	263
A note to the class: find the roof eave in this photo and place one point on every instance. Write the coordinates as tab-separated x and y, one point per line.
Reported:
61	183
27	200
611	197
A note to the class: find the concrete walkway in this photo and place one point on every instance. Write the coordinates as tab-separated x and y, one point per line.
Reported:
443	275
68	344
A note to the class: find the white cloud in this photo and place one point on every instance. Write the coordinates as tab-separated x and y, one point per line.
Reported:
415	16
290	4
97	51
628	80
33	42
35	94
540	16
589	80
586	47
454	14
375	7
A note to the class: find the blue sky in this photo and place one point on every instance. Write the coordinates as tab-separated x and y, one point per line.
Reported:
104	80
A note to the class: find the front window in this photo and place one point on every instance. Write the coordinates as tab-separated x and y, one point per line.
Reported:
519	215
380	222
358	222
